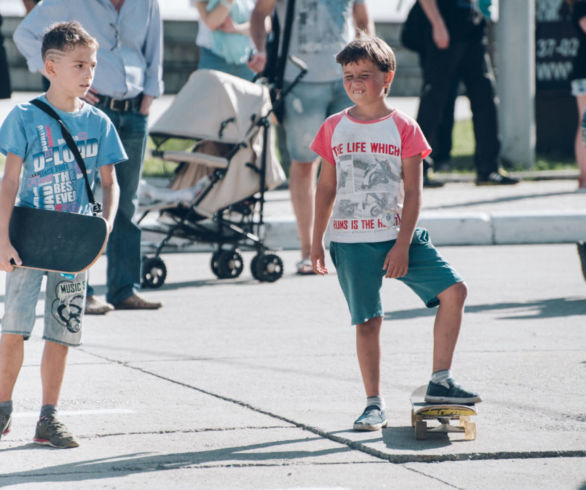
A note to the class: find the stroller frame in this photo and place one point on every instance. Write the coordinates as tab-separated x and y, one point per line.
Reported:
226	233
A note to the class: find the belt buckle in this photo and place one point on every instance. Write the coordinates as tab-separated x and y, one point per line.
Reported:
120	105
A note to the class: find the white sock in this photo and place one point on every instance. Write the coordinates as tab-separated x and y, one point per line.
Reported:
440	377
379	401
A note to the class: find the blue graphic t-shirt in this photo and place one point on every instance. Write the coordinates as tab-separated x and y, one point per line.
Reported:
51	177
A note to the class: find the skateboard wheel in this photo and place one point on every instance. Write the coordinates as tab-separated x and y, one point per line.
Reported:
154	272
420	430
469	431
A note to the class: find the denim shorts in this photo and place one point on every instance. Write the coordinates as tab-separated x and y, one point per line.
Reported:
64	305
360	272
306	108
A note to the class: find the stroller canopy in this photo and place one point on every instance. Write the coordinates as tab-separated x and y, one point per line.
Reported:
214	106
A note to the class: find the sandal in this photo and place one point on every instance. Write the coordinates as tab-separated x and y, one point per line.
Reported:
304	268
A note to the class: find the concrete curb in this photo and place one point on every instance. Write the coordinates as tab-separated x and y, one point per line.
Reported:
445	229
471	228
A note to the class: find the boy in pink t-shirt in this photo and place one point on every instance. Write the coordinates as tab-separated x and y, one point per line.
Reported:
371	184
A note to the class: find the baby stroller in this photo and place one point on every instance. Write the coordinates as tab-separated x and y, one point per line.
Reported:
218	193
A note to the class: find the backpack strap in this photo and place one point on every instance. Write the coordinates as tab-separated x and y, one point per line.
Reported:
96	206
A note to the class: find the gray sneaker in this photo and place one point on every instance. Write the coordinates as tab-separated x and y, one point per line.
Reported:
51	432
373	418
5	424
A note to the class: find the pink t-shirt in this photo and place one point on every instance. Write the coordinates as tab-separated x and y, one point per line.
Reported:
368	158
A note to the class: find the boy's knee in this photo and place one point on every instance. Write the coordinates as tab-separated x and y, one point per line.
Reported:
456	293
370	326
9	339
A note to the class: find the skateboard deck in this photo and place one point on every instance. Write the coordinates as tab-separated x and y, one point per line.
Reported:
56	241
443	413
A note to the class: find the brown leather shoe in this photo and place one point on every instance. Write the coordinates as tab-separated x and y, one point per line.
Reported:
136	302
95	306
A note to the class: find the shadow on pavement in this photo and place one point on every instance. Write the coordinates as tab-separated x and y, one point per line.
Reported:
128	464
530	310
403	438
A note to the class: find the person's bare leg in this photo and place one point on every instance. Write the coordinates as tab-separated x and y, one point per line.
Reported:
448	321
368	349
579	145
11	357
53	371
302	185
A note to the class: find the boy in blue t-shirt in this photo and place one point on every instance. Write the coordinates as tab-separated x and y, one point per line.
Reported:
41	172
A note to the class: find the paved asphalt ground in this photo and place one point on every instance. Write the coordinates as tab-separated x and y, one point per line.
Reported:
236	384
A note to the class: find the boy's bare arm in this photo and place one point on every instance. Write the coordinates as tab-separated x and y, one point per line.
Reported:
8	192
397	260
110	193
324	201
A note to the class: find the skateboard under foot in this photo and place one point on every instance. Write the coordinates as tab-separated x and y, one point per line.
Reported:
422	412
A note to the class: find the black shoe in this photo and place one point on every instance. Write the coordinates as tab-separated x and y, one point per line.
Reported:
449	392
499	177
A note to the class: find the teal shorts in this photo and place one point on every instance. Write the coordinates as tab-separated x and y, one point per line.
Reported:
360	273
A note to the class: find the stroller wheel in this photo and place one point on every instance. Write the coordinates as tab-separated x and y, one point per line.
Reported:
266	267
154	272
227	264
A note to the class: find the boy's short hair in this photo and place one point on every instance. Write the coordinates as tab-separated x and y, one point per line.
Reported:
369	48
65	36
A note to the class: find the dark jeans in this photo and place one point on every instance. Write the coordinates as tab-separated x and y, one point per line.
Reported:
467	62
442	143
124	256
5	88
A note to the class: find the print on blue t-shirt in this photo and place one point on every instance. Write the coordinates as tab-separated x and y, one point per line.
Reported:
51	177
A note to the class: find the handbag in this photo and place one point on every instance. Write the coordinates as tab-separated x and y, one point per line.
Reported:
415	29
96	206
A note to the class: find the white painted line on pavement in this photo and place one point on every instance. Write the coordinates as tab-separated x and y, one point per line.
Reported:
105	411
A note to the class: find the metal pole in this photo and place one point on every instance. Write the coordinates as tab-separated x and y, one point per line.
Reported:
515	61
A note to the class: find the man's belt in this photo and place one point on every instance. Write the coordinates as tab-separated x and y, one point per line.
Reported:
120	105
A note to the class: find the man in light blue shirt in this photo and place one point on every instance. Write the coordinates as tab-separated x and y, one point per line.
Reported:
127	79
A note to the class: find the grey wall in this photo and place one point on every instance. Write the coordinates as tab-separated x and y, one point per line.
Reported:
181	58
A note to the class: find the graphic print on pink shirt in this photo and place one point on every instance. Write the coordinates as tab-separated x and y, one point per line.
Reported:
368	159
